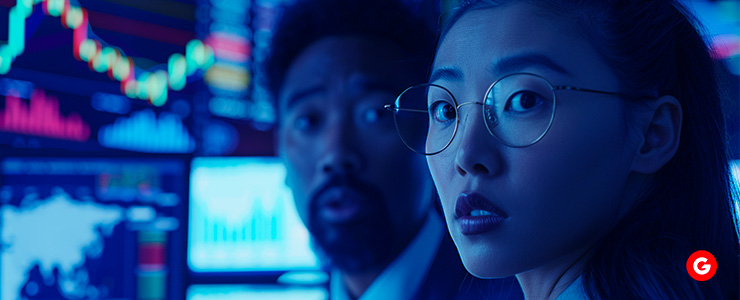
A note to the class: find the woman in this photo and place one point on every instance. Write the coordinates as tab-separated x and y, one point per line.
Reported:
580	146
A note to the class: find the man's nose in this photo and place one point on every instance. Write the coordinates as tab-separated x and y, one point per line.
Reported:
341	154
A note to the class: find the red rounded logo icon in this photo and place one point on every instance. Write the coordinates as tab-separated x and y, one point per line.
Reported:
701	265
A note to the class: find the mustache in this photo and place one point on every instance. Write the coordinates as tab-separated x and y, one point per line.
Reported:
350	182
353	246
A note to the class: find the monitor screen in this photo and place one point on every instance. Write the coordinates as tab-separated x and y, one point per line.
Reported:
242	218
142	76
256	292
94	228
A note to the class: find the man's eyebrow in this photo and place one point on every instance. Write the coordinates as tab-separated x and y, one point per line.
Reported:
449	74
518	62
299	96
379	85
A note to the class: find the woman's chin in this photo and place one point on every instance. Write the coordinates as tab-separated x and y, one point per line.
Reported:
487	268
488	274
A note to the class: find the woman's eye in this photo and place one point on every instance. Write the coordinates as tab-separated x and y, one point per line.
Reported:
442	111
523	101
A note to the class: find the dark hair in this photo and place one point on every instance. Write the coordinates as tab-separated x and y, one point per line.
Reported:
311	20
655	48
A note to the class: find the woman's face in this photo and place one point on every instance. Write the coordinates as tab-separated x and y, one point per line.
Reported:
553	199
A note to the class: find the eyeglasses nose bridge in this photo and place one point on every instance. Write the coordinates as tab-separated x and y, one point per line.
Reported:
492	120
468	103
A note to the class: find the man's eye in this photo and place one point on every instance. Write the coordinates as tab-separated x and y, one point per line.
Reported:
306	122
374	115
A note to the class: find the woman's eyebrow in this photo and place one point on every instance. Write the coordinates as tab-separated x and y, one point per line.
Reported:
449	74
519	62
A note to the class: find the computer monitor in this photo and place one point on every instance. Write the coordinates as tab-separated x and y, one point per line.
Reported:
242	218
256	292
92	228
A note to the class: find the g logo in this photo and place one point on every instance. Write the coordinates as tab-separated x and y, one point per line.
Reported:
701	265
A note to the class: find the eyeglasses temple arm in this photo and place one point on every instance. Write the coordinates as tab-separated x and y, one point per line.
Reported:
572	88
392	108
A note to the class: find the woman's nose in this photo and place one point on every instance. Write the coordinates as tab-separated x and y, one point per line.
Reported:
477	152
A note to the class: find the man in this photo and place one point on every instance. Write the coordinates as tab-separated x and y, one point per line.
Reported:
366	199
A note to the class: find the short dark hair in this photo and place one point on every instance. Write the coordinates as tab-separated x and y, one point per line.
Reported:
308	21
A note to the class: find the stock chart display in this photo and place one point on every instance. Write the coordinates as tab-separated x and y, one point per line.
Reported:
92	228
103	103
136	76
123	126
242	218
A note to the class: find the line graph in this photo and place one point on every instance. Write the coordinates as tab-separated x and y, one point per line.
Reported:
135	83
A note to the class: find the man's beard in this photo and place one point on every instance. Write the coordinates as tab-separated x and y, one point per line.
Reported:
363	243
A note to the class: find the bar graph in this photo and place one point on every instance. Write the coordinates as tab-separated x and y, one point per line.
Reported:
229	78
242	218
152	265
41	117
143	131
262	226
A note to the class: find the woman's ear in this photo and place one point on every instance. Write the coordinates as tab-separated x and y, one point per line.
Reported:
661	136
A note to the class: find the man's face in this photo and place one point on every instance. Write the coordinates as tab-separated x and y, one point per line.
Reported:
359	190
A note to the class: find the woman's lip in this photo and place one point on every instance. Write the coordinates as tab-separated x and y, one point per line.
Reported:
477	225
470	201
490	218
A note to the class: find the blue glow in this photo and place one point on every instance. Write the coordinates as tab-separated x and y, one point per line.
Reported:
111	103
242	218
69	227
262	292
220	138
67	232
144	132
23	89
235	108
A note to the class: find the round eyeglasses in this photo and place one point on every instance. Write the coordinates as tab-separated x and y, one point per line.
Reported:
518	110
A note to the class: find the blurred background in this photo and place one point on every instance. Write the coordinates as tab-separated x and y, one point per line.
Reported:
136	150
